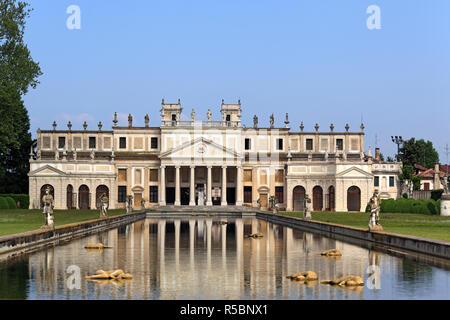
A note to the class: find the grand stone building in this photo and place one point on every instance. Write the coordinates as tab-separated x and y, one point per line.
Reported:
227	162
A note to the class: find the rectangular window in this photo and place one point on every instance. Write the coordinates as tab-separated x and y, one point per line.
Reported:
248	144
153	194
426	186
122	143
61	142
339	144
376	181
309	144
248	195
279	144
279	194
92	142
391	181
122	195
154	143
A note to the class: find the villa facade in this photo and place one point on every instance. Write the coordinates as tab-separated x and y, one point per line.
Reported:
182	160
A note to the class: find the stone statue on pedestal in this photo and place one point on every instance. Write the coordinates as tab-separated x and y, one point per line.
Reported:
193	115
201	198
104	200
375	205
445	184
143	205
255	122
272	121
129	204
307	208
48	204
209	115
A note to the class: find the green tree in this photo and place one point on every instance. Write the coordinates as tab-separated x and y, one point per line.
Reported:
407	179
418	152
18	72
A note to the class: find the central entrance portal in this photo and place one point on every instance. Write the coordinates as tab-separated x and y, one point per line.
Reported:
231	196
184	195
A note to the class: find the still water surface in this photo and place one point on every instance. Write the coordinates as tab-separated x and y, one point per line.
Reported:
201	258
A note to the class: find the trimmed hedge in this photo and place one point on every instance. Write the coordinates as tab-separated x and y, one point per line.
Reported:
24	199
11	203
3	203
411	206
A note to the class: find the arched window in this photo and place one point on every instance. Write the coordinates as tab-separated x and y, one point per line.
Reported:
317	198
354	199
84	197
298	198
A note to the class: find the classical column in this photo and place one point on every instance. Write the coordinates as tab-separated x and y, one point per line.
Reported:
224	186
192	188
239	187
177	185
162	186
209	195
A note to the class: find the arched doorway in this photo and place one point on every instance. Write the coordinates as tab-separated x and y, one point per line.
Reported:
298	198
70	197
317	198
43	188
354	199
331	199
84	197
98	193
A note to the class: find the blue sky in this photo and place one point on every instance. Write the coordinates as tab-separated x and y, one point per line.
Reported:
315	59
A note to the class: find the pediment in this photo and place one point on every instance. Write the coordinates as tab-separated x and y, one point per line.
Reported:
47	171
200	148
354	172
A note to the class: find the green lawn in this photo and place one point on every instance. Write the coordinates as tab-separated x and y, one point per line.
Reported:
18	221
421	225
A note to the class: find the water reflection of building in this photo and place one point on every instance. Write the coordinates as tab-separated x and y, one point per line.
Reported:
201	258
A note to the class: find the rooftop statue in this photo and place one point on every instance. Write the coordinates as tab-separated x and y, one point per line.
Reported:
255	122
209	115
272	121
193	115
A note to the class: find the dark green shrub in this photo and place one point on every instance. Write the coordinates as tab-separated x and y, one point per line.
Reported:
405	196
3	203
436	194
24	199
11	203
410	206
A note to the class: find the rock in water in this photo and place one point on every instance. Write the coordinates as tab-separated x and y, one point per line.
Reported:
332	253
304	276
346	281
110	275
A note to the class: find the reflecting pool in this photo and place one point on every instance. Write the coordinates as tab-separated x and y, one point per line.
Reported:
211	258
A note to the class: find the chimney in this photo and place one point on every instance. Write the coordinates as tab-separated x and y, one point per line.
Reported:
377	154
